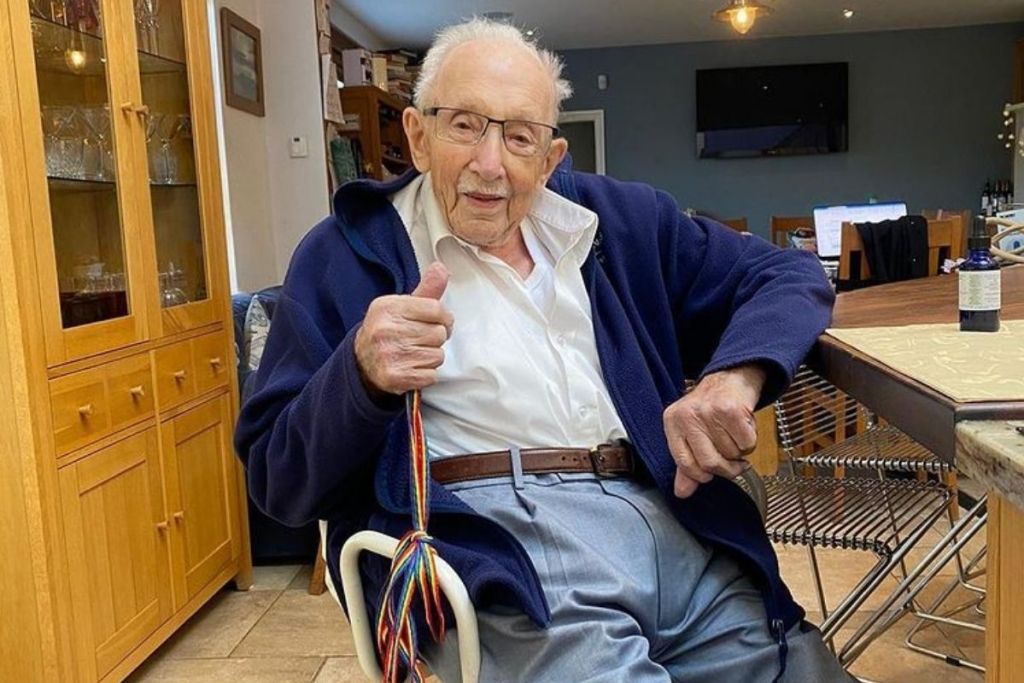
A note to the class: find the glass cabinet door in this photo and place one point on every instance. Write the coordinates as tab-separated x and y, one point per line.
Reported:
81	150
171	154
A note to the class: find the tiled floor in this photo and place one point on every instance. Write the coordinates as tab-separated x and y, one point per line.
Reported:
278	633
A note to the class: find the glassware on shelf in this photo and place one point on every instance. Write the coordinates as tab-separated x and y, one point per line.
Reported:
58	13
39	8
147	21
153	122
69	144
170	293
98	156
167	132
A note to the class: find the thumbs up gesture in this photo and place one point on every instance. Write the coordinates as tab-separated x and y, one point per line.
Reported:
398	347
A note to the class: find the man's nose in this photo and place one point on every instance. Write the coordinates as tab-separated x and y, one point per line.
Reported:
488	157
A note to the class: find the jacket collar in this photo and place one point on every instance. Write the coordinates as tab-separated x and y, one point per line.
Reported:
371	225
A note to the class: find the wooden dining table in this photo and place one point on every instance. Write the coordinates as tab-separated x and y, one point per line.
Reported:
981	437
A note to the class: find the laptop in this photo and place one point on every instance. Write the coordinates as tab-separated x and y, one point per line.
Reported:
828	222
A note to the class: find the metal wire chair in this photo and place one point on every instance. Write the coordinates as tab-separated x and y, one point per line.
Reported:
821	427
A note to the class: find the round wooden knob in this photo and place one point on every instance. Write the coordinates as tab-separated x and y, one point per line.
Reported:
85	411
180	375
162	527
137	392
179	516
215	361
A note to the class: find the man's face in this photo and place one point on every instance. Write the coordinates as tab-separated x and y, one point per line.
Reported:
484	190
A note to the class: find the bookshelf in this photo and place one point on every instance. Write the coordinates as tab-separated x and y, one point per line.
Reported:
383	146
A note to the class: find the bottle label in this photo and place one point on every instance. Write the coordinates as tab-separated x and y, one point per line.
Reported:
979	290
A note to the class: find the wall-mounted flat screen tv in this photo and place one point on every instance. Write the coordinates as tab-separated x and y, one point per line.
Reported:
772	110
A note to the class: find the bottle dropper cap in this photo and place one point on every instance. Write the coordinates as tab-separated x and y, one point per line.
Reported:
979	238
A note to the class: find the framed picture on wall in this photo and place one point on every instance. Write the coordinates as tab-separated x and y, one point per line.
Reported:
243	63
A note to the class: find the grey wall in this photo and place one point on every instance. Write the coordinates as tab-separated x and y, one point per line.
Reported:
924	112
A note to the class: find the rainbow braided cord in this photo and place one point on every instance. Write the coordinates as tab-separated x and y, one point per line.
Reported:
412	569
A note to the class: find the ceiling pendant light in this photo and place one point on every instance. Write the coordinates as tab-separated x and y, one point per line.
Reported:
742	14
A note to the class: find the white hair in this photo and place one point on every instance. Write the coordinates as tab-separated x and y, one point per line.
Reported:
479	28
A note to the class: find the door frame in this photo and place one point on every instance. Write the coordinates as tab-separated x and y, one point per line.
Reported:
595	116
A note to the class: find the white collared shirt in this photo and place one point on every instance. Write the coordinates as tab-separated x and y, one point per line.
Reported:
521	367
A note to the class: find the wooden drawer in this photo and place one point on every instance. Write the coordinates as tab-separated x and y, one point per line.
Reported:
92	403
78	404
130	390
192	367
212	360
175	374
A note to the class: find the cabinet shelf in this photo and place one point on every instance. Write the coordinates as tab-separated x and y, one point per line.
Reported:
82	185
54	40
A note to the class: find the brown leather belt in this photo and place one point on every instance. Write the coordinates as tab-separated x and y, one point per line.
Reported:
604	460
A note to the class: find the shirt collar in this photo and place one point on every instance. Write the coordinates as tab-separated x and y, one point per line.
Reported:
562	226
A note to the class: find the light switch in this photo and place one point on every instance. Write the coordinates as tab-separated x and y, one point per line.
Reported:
298	147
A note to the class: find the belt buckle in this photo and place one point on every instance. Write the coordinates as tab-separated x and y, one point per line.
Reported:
597	460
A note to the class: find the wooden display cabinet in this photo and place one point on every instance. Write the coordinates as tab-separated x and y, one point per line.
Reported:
122	506
384	147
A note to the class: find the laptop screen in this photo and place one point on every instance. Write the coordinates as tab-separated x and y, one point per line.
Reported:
828	221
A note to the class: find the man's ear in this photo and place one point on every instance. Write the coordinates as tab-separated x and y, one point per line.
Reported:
419	140
559	146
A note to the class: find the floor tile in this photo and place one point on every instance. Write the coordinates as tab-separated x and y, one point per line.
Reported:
274	577
340	670
299	625
301	580
219	626
234	670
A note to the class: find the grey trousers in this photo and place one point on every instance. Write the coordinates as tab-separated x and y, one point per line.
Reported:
634	597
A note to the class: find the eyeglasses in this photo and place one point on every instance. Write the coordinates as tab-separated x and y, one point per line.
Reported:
522	138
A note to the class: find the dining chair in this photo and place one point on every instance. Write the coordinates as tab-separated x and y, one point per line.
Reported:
964	217
943	236
816	505
781	226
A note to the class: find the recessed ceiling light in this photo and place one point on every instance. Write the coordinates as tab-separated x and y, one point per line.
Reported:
848	13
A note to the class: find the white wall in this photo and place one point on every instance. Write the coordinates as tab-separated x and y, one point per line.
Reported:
347	23
274	199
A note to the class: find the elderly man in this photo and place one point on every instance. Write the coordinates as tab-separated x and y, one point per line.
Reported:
556	312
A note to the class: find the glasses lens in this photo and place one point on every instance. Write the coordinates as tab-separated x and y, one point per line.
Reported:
525	138
463	127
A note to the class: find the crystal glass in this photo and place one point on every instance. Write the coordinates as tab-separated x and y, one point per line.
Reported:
170	293
99	158
167	131
70	144
153	123
147	21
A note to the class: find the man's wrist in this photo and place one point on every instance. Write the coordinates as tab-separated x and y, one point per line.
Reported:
749	378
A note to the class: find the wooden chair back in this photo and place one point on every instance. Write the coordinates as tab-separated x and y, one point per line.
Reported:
737	224
781	226
964	217
942	234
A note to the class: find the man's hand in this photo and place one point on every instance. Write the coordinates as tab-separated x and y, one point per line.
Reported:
398	347
712	428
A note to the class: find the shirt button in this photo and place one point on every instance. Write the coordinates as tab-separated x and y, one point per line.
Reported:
583	410
561	340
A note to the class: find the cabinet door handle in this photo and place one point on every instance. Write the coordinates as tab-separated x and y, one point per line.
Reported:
137	392
141	110
162	527
179	516
215	362
180	375
85	412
